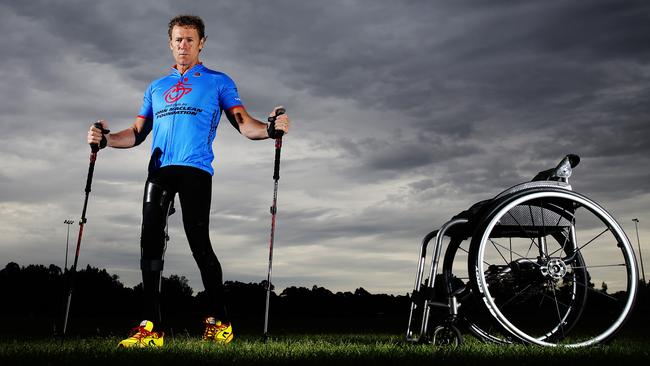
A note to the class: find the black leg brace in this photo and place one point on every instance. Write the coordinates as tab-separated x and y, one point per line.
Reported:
157	206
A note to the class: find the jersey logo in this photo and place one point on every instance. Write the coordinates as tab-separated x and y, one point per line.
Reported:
176	92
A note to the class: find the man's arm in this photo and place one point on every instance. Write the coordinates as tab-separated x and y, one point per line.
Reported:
253	128
126	138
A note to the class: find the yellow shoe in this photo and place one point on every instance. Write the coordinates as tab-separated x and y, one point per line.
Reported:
216	331
142	336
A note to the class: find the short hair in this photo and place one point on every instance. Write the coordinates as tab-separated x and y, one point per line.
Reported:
192	21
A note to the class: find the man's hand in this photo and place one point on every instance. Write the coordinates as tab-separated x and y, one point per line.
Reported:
282	122
95	135
251	127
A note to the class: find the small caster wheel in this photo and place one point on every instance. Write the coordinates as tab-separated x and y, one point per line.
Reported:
446	335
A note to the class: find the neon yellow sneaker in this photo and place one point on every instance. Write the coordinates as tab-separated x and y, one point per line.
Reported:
216	331
142	336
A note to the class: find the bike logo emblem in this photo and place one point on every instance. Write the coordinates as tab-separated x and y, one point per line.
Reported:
176	92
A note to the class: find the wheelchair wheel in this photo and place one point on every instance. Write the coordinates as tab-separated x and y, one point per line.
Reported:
549	262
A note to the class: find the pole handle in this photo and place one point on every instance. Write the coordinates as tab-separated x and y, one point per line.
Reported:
278	112
95	147
278	142
276	165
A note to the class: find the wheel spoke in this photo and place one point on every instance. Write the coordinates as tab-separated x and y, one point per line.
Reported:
563	245
530	247
522	228
591	289
498	251
601	266
495	244
557	309
555	300
594	238
517	294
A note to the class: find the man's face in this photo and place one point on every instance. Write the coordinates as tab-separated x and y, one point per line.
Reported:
185	45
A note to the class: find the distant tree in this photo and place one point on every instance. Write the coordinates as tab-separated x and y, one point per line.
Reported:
321	292
11	269
177	286
361	292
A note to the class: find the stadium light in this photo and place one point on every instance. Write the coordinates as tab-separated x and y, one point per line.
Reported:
638	242
67	242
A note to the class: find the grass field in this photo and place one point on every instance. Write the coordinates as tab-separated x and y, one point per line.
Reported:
313	350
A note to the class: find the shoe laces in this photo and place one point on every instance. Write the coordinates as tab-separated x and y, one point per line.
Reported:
140	332
211	330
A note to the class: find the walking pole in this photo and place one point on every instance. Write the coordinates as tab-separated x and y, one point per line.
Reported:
274	209
94	148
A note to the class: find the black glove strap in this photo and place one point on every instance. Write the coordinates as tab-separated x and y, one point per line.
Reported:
103	142
270	129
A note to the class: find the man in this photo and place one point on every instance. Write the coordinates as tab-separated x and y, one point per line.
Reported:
183	110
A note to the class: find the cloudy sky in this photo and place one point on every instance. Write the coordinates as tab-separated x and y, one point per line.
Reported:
405	113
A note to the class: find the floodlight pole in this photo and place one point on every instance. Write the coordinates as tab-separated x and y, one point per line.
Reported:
67	242
638	242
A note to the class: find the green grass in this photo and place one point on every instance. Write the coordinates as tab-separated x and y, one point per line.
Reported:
355	350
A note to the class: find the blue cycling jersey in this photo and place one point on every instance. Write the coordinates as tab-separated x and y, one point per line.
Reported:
185	110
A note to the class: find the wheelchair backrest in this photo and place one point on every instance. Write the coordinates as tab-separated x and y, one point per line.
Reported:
557	177
539	218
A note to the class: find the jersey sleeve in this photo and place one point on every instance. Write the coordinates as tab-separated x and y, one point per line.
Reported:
146	111
228	95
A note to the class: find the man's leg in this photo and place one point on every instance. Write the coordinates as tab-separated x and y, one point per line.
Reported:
156	202
195	194
155	206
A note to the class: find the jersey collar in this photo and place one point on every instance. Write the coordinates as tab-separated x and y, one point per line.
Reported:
197	67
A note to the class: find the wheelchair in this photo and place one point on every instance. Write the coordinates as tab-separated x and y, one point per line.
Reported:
537	264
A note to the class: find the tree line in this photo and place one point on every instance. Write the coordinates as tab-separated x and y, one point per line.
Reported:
32	303
33	297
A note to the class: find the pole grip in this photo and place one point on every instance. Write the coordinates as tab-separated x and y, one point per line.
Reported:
95	147
276	167
278	112
278	142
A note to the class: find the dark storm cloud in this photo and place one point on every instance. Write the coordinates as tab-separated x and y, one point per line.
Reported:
603	30
555	77
405	114
110	31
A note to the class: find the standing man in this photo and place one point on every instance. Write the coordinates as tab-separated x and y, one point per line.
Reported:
183	110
